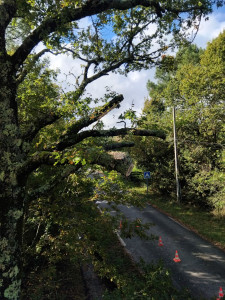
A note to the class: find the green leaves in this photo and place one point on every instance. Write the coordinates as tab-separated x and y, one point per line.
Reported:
195	85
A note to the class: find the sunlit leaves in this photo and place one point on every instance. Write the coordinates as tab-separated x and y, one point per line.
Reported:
195	84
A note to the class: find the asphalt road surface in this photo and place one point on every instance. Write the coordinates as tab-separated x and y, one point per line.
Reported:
202	266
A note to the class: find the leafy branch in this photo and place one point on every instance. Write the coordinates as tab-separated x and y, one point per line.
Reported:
68	15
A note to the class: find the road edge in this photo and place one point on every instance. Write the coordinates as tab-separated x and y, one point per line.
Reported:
188	226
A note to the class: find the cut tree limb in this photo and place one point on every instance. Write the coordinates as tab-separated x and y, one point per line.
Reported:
74	139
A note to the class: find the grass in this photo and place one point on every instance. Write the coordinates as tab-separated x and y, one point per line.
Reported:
208	225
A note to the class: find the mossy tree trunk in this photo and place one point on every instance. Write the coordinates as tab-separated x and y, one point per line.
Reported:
11	191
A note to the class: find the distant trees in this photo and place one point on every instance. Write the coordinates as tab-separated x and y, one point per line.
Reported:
193	81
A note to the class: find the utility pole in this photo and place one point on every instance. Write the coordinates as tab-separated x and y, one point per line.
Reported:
176	156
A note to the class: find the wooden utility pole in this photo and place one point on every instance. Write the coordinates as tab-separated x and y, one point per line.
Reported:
176	156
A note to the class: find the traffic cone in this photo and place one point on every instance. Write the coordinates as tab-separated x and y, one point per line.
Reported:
160	241
221	294
138	221
120	224
176	258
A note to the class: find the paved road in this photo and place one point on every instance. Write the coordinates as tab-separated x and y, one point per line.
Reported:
202	266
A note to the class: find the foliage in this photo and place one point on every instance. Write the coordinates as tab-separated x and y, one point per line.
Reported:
61	281
156	281
46	143
194	85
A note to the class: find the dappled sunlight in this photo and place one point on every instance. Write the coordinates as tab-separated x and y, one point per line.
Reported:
209	257
203	275
205	246
219	212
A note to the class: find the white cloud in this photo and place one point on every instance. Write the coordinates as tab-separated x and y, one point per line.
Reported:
210	29
67	65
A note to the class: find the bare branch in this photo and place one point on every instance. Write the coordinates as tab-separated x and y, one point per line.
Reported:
74	139
95	116
98	75
124	123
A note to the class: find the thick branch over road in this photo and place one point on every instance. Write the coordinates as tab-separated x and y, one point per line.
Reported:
77	138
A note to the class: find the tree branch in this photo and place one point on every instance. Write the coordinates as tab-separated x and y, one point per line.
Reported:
26	70
91	8
34	162
111	161
119	161
74	139
101	73
42	191
7	12
43	121
95	116
48	158
113	146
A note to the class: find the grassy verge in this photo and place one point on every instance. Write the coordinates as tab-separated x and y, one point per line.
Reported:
206	224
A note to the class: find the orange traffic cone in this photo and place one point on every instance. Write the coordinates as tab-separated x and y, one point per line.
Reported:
139	221
221	294
120	224
176	258
160	241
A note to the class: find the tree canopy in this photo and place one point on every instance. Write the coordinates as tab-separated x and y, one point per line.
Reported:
193	82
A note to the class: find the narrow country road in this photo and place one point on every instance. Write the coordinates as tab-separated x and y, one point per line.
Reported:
202	266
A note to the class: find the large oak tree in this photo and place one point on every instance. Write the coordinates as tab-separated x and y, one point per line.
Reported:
26	114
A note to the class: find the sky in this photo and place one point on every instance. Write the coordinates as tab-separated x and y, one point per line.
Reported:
133	87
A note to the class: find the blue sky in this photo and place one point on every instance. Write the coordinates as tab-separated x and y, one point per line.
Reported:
133	87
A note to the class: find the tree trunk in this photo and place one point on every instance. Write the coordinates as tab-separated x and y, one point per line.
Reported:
11	192
10	249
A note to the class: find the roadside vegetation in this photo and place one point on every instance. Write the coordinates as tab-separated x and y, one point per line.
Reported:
193	82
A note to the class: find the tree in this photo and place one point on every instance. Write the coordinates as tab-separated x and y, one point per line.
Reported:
40	125
191	81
